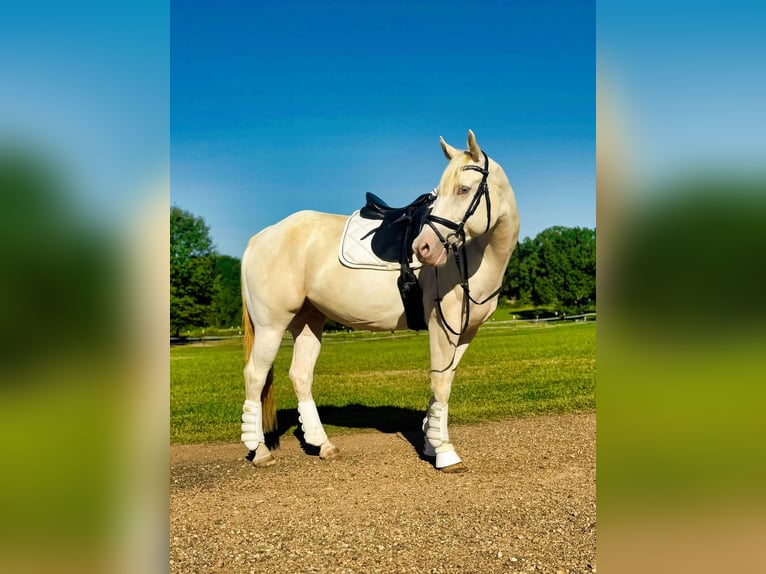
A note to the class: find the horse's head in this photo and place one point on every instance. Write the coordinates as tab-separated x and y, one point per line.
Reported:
473	195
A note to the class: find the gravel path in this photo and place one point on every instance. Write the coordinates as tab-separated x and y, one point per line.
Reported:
527	504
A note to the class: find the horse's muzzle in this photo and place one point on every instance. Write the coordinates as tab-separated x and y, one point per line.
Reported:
428	249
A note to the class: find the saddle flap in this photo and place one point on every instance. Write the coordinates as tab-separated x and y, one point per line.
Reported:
387	241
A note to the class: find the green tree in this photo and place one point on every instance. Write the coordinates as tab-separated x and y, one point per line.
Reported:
61	269
226	310
562	268
516	283
555	269
192	270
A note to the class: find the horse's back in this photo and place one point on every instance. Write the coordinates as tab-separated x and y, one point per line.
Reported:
296	227
297	260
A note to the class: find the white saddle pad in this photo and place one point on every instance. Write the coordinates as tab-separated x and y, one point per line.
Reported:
356	253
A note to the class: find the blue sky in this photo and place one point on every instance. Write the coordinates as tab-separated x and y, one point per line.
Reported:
85	85
277	107
269	101
693	96
689	82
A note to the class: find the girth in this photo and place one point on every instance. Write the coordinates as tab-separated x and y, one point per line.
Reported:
392	241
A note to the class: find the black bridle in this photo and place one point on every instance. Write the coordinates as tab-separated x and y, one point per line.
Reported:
455	242
457	235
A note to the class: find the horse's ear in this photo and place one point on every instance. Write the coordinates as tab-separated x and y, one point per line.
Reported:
473	147
448	150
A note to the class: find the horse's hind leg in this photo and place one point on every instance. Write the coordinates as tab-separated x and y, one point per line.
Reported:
306	329
258	378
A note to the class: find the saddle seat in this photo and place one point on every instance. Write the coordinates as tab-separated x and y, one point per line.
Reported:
376	208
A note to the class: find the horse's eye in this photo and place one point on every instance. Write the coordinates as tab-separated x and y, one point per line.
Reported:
463	189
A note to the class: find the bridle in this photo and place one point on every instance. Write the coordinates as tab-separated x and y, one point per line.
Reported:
457	235
455	242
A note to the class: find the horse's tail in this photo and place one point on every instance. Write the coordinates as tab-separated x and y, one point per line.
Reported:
268	406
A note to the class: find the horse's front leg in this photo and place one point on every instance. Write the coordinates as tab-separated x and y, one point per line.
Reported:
446	352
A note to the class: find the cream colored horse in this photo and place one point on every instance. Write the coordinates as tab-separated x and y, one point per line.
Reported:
292	280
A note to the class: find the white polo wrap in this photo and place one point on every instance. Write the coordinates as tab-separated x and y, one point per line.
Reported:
313	433
252	425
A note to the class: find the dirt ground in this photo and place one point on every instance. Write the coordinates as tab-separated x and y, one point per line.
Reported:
526	504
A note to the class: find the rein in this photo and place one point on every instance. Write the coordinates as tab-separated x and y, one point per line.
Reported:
455	242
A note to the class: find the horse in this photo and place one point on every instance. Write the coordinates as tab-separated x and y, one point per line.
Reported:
293	281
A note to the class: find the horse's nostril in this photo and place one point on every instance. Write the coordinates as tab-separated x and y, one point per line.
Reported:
424	248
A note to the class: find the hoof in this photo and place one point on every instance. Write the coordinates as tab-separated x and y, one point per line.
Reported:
264	461
261	456
328	451
459	467
447	459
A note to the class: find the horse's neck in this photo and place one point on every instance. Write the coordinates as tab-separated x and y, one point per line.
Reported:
502	242
494	251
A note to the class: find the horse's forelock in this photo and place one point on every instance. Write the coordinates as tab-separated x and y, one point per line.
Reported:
451	175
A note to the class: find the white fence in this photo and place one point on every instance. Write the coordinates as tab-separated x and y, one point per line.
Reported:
346	336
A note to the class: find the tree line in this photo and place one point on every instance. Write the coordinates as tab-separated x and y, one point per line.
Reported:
555	270
204	285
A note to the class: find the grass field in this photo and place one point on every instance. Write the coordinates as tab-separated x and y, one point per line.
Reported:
380	381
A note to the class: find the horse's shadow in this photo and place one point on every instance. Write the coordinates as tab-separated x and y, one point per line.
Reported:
405	422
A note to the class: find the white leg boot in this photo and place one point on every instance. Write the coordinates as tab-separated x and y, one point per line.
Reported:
437	437
252	433
308	416
252	425
313	432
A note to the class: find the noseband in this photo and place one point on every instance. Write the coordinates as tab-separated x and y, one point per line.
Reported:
455	242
